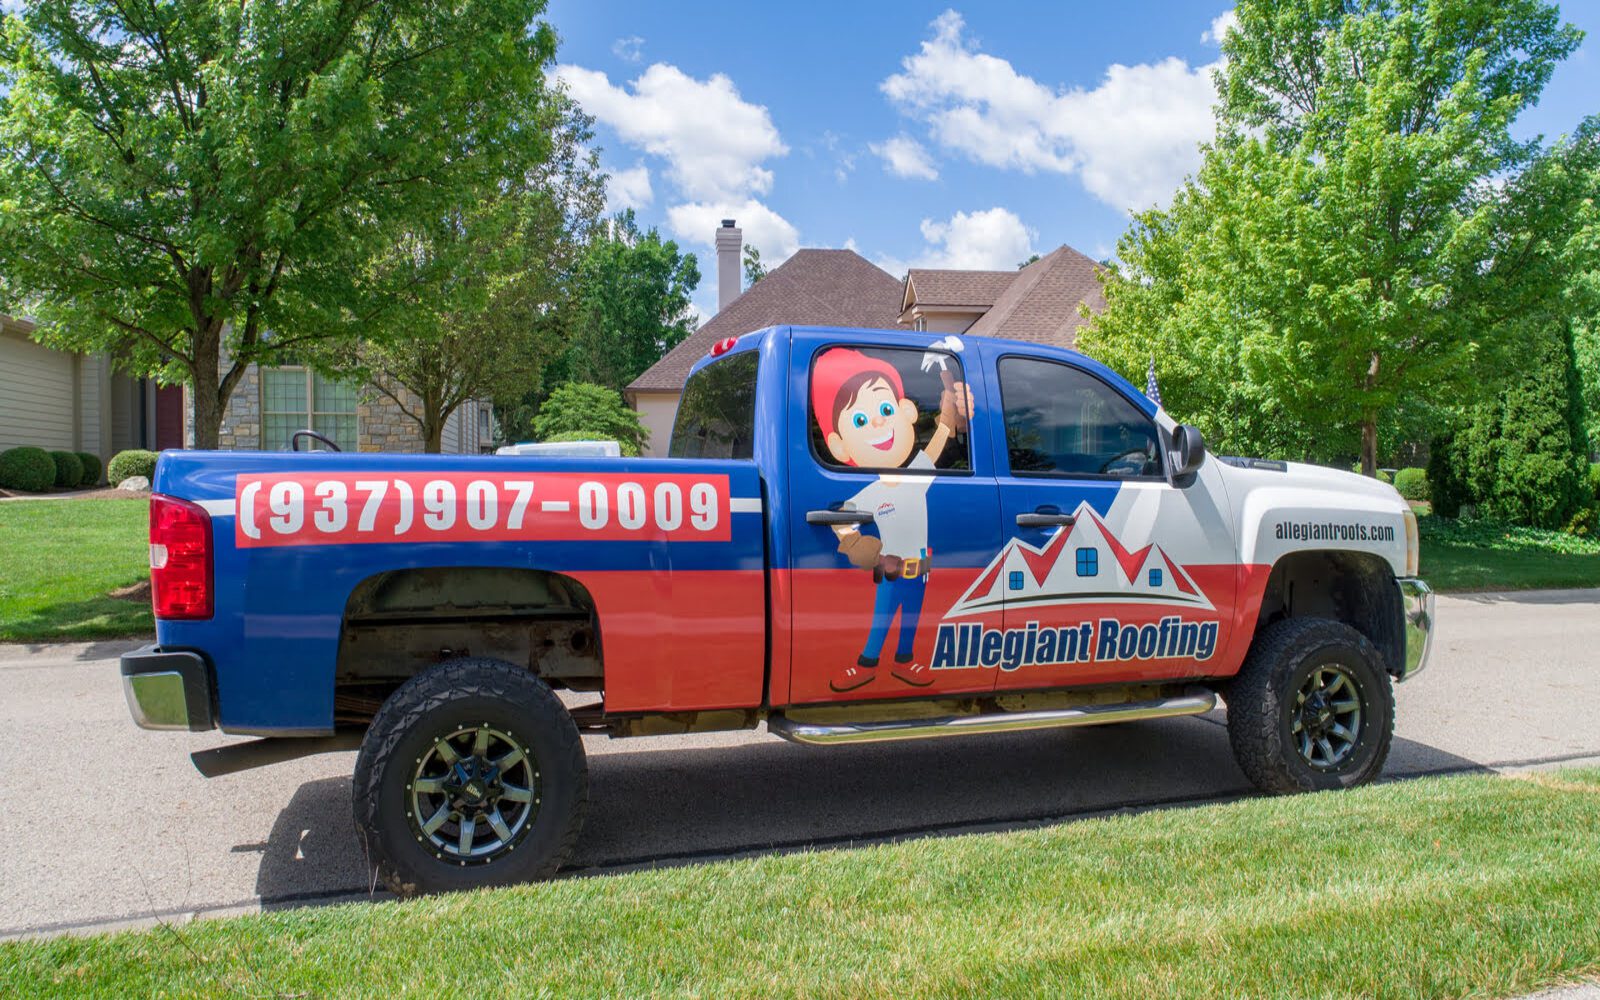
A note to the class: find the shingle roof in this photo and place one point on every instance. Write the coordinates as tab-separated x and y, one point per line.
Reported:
812	288
956	288
1042	302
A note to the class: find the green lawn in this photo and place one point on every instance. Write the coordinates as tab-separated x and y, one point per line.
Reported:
1483	555
1476	885
58	561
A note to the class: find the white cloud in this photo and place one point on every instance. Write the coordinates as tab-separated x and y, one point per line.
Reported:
696	223
628	49
904	156
628	188
1220	25
991	240
1129	140
713	141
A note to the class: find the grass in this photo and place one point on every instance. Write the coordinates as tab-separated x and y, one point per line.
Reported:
59	559
1478	554
1475	885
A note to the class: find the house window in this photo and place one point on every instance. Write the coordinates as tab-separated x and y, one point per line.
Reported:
919	323
294	398
1155	578
1088	562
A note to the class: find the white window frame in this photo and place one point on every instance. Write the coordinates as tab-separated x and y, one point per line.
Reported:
310	413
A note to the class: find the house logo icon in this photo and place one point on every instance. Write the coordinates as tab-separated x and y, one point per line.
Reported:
1082	564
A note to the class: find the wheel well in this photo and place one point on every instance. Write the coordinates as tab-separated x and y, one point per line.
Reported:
1356	588
400	622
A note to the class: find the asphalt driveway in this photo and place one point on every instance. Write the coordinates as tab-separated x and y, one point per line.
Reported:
107	824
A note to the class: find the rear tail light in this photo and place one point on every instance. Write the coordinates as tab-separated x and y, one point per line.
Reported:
180	559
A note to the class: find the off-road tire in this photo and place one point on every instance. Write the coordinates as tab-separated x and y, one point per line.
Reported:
1262	705
454	695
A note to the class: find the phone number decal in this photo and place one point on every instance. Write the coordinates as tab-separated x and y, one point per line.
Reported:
462	507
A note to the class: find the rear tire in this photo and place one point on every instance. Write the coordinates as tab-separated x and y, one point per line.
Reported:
1312	708
472	774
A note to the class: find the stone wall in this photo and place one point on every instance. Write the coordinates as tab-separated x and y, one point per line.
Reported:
383	426
241	421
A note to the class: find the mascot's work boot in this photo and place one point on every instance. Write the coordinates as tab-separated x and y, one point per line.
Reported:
910	672
852	677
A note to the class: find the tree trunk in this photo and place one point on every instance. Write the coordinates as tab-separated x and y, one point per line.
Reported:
204	382
432	425
1369	424
1369	445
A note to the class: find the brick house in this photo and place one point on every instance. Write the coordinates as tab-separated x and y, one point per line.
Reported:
1041	302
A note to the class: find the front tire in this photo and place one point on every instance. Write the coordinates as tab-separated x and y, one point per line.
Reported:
472	774
1312	708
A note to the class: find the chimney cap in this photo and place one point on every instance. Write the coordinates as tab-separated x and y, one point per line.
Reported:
727	223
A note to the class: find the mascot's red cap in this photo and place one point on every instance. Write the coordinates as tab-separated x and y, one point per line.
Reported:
833	370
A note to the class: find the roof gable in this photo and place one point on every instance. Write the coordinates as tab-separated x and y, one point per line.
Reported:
1042	304
811	288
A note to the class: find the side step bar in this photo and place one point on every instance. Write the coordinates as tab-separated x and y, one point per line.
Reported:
1194	701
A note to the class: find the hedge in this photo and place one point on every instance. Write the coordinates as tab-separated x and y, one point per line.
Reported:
69	469
30	470
1412	483
628	448
133	462
91	468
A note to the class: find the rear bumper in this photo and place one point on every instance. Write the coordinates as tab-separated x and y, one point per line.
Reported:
1416	604
168	689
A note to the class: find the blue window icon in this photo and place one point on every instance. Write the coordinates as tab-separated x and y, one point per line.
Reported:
1016	579
1088	562
1155	578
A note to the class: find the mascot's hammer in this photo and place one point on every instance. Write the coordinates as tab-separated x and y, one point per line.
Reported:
935	355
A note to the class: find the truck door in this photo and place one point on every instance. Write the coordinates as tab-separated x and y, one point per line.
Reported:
893	510
1109	572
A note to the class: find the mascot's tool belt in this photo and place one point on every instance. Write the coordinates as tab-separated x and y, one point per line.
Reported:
896	568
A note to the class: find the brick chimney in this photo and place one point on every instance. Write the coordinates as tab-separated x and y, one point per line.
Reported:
730	251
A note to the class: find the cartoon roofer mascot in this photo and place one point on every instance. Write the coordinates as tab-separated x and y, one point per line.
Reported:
867	421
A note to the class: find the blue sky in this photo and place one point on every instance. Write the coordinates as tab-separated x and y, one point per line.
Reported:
916	133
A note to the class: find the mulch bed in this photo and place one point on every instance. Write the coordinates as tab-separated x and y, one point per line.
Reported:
104	493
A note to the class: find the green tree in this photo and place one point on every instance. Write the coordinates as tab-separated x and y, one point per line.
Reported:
1345	250
487	285
754	270
583	410
178	179
630	305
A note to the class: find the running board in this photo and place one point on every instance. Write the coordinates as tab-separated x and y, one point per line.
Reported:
1194	701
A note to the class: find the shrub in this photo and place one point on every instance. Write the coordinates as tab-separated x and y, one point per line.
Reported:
1412	483
594	410
69	468
1594	479
133	462
91	468
1522	457
30	470
1447	488
629	449
1586	522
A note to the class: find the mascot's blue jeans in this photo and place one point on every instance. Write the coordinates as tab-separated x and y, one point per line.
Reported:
904	596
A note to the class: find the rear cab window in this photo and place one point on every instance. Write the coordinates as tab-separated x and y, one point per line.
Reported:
717	412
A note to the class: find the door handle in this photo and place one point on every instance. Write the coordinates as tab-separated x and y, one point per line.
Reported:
1045	519
838	517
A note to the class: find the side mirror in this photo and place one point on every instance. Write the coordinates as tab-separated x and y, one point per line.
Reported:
1188	451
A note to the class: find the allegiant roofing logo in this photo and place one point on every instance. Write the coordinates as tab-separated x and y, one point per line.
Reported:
1082	564
964	646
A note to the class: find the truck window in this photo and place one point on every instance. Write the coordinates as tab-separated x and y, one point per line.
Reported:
1063	421
717	412
879	408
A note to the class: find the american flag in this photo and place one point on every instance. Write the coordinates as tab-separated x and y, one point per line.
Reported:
1150	388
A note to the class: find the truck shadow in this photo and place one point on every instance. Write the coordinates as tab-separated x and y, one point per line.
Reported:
667	806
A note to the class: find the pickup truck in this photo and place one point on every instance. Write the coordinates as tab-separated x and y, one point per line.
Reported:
1043	545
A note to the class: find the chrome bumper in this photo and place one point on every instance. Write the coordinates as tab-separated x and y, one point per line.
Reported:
1416	604
168	689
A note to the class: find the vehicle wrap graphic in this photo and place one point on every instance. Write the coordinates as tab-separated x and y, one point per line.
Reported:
353	508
